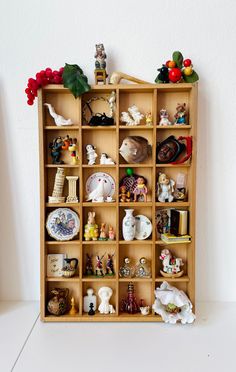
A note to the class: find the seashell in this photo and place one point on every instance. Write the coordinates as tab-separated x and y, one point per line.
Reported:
135	149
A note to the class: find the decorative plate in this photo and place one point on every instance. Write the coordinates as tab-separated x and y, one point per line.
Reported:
63	224
100	180
143	227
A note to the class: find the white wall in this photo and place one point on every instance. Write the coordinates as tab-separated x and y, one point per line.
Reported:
138	37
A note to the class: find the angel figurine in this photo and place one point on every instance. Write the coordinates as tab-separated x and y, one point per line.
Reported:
165	188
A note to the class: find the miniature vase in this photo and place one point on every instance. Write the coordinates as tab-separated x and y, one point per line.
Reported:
128	225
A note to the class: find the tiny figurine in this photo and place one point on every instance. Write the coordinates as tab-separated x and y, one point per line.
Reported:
129	305
89	299
100	57
112	103
180	193
105	307
165	188
104	159
163	76
91	228
111	233
89	265
148	118
99	266
132	117
143	269
98	193
127	270
103	235
73	148
58	119
110	265
173	305
91	311
67	141
56	148
164	118
124	196
73	309
58	303
58	187
100	64
135	149
128	225
140	190
180	116
72	197
91	154
171	264
69	269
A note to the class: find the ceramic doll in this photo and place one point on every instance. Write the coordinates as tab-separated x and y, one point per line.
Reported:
180	116
103	235
91	228
110	265
105	307
127	269
111	233
124	196
143	268
165	188
140	189
99	266
91	154
164	118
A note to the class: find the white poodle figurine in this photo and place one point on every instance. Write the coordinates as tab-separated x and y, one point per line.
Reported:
132	117
105	294
91	154
59	120
104	159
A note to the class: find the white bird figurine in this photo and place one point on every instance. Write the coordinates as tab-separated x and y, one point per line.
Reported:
59	120
98	194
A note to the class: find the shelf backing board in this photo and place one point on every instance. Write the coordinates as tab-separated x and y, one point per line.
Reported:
147	97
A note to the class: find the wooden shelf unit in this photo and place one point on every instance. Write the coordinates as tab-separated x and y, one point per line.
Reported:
148	97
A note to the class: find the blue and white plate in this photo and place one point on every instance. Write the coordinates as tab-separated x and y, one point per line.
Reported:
63	224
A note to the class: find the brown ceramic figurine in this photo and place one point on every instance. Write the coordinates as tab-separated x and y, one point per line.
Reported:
58	303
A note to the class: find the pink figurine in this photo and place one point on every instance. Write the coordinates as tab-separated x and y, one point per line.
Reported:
111	233
140	189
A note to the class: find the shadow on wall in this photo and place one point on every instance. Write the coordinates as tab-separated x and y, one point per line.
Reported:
9	251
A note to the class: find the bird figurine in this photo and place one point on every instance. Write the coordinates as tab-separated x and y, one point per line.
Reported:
98	194
163	76
59	120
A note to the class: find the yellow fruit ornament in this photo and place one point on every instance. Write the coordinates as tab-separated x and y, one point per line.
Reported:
188	71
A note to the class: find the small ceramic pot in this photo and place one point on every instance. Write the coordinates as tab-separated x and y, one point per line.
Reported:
58	303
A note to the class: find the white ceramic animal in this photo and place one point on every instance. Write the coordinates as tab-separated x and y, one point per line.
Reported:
132	117
105	307
168	295
164	118
91	154
59	120
98	194
104	159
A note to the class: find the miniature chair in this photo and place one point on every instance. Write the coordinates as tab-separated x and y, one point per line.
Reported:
100	76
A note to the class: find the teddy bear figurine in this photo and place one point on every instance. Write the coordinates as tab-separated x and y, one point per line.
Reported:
165	188
180	116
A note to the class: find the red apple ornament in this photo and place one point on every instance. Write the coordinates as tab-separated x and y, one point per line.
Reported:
187	62
175	75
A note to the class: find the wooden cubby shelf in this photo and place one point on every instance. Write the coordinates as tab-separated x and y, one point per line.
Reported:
148	98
